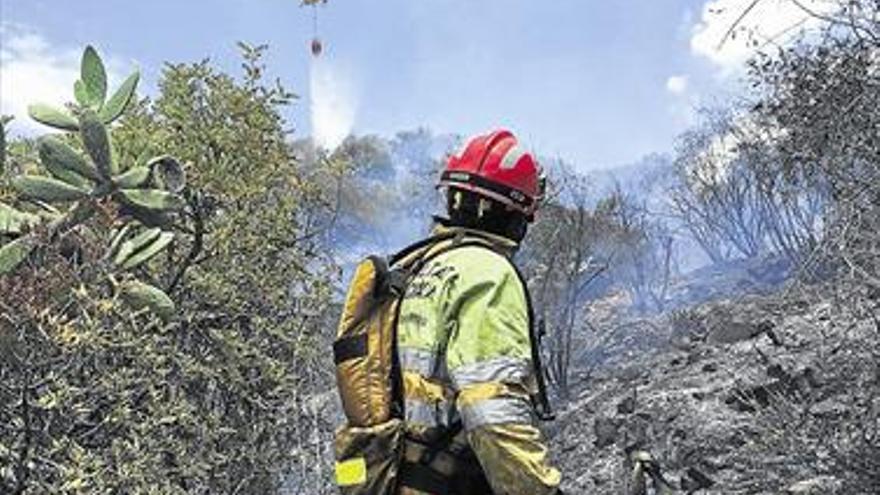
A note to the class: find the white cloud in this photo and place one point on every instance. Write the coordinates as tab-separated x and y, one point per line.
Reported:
677	85
762	22
34	71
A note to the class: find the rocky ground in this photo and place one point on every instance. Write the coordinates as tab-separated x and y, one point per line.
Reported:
763	389
774	393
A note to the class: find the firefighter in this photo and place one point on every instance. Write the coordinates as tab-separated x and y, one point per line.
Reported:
465	347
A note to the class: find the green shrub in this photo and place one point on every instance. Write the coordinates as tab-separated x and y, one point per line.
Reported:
159	316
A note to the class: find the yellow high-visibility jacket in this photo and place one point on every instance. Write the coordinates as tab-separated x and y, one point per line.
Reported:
465	354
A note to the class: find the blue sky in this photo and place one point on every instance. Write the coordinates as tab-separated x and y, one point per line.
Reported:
598	83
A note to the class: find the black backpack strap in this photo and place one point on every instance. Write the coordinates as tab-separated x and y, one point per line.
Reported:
399	277
397	280
542	401
458	235
403	253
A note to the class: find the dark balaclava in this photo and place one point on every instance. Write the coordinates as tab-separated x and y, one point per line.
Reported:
473	211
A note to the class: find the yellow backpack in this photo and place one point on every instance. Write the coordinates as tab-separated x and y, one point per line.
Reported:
369	447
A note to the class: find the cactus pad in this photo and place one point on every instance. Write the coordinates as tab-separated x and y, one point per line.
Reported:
47	189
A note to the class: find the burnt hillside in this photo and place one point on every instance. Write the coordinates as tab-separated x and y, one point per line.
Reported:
773	393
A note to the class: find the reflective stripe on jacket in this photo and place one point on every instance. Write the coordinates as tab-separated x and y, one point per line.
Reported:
465	353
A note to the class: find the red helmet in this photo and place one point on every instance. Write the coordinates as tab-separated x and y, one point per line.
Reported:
494	165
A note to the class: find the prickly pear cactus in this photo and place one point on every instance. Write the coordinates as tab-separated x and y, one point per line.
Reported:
76	185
